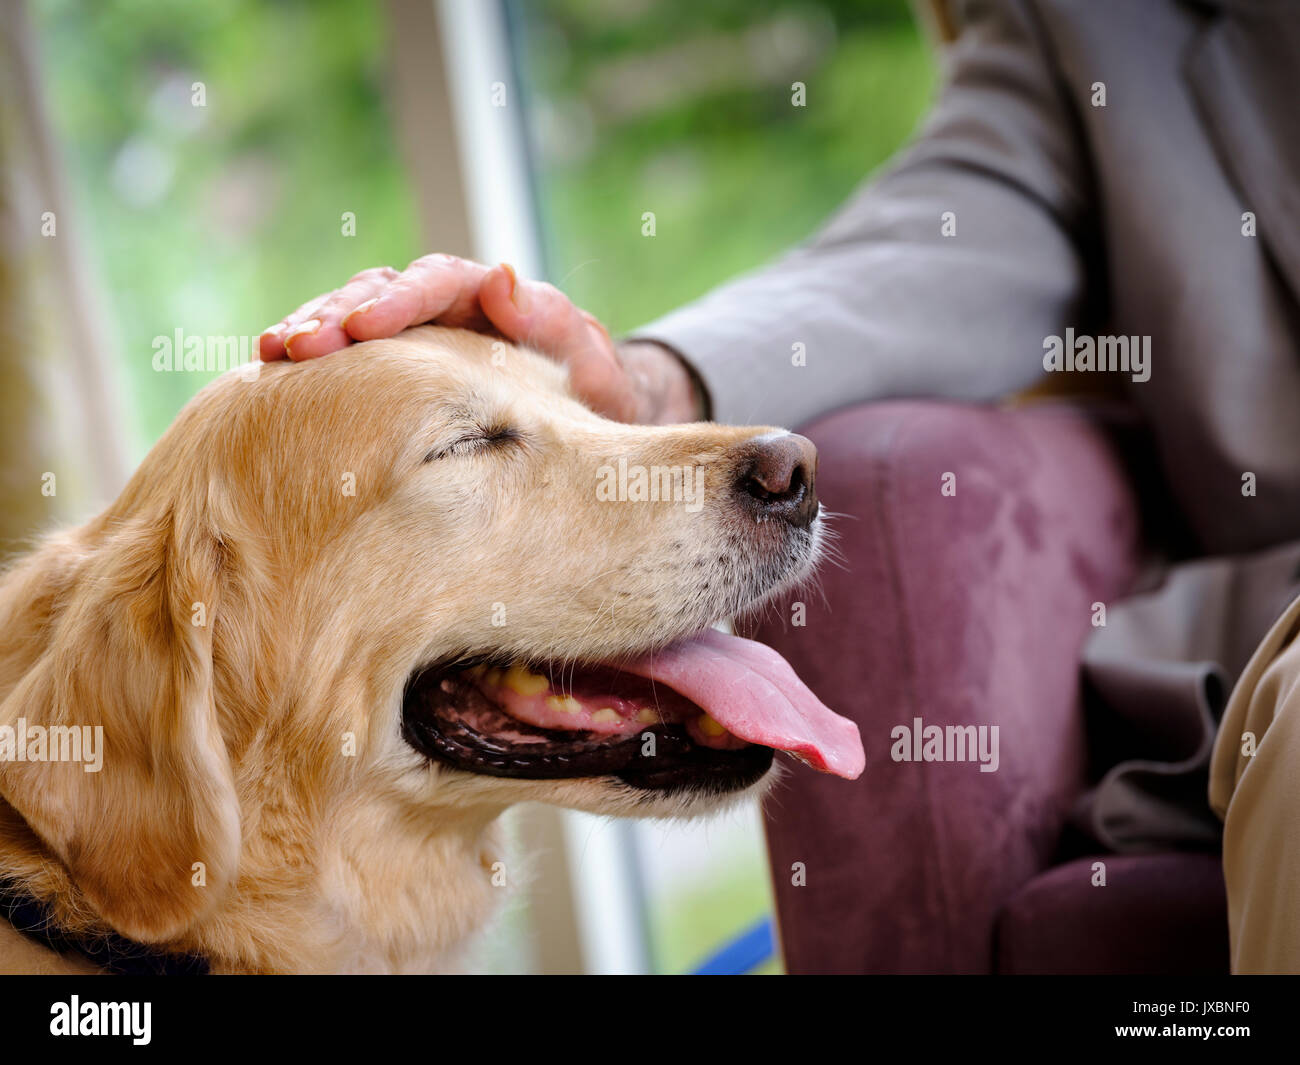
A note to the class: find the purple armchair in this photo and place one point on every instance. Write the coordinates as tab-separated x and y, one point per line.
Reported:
968	608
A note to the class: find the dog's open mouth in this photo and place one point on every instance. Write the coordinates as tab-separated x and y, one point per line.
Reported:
708	711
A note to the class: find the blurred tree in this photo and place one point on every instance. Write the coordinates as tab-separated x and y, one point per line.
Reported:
214	147
686	109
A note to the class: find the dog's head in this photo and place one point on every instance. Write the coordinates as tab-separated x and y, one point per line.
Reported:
353	602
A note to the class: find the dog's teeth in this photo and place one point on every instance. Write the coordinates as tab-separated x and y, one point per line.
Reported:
708	726
566	704
605	715
492	677
522	682
476	671
647	716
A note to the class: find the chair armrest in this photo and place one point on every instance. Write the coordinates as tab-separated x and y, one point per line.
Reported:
959	609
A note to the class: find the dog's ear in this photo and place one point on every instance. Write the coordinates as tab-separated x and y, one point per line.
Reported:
151	835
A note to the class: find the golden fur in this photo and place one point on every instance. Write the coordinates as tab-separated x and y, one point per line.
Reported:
236	615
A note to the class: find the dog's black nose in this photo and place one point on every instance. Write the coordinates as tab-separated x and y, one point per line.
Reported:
778	479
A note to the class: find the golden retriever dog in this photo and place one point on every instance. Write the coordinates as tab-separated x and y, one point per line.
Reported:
349	611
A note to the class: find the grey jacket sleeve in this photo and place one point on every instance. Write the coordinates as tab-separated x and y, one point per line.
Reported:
882	301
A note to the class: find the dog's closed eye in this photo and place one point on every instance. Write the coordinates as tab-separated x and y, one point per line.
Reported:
481	439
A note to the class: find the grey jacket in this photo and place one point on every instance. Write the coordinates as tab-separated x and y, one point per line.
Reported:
1172	212
1124	219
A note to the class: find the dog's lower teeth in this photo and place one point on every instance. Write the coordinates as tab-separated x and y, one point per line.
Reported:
602	706
522	681
710	727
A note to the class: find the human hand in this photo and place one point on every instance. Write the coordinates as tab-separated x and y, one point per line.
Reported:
639	381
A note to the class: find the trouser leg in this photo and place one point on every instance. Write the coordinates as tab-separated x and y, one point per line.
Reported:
1255	787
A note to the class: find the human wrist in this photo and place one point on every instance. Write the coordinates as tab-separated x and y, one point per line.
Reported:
668	391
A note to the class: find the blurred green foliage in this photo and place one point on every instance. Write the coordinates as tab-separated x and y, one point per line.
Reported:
733	172
218	220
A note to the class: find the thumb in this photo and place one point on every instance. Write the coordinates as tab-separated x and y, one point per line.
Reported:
539	316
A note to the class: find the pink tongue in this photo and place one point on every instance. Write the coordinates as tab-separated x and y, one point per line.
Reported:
754	693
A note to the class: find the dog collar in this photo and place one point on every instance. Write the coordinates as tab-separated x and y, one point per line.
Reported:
114	953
